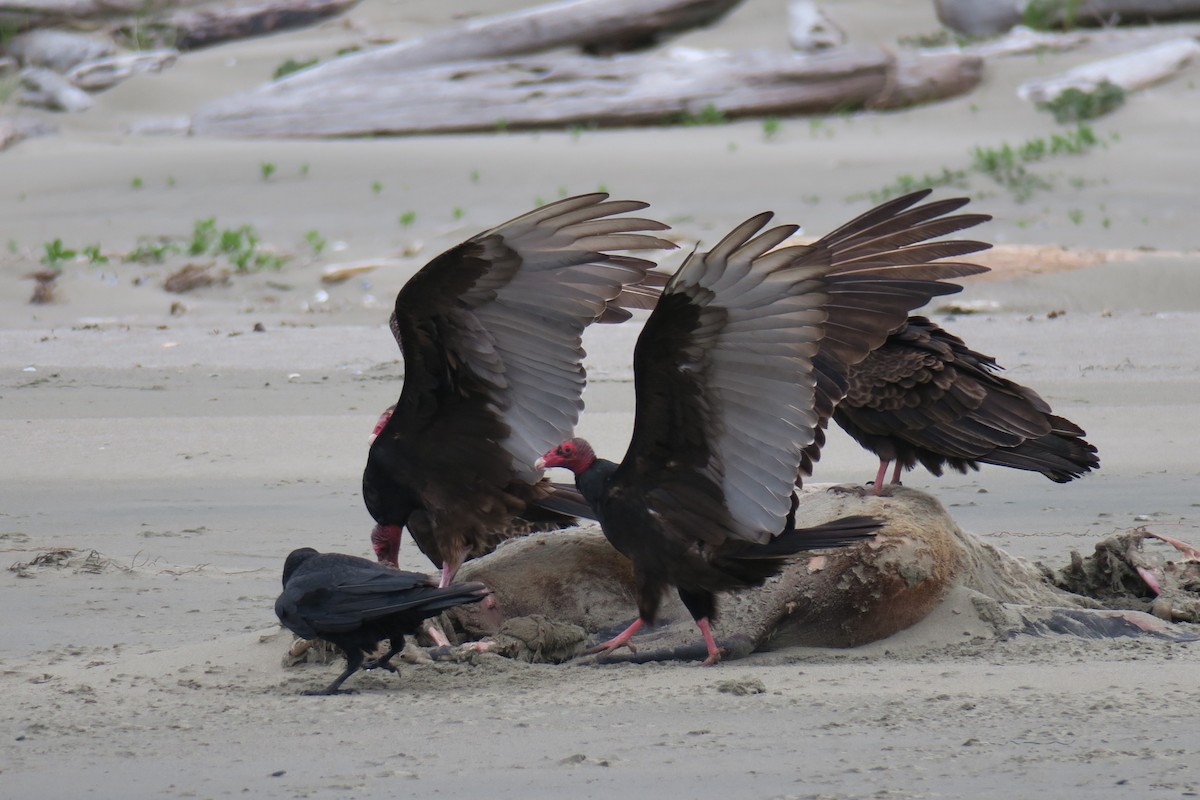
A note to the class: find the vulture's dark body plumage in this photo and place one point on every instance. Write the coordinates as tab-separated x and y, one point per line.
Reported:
925	397
355	604
491	336
736	371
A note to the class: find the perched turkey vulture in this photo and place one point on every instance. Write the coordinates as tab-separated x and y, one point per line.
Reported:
924	396
355	603
739	365
491	335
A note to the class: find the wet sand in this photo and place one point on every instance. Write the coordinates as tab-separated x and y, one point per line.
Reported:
192	453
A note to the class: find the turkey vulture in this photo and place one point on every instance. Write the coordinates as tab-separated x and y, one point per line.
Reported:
924	396
355	603
491	335
561	508
740	363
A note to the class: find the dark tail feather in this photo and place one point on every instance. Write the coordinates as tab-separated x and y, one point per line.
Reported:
838	533
438	600
565	500
1060	458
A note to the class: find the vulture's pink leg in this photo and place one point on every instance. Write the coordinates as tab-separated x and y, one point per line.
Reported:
714	652
620	640
883	465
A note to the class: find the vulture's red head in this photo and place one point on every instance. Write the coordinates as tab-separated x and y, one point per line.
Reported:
386	541
574	454
383	420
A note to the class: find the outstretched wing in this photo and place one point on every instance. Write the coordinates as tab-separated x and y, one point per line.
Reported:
885	264
723	375
491	330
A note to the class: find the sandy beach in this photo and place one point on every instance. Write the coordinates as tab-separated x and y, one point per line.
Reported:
191	451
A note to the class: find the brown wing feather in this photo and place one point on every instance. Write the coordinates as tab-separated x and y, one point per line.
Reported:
884	266
925	396
490	332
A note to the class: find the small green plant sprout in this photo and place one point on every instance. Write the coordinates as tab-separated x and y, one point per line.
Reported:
709	115
316	241
909	183
602	187
474	176
267	169
502	125
408	218
304	170
94	256
1044	15
770	127
13	247
135	183
292	65
1077	105
1075	215
376	187
456	214
55	254
562	191
151	250
240	246
204	235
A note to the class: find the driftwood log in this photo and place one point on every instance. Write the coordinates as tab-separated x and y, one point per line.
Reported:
557	91
23	14
595	25
991	17
1131	71
204	27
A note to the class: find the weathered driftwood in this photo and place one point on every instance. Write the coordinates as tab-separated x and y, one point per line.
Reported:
22	14
16	129
991	17
1131	71
193	29
105	73
45	88
810	29
1022	40
596	25
56	50
554	91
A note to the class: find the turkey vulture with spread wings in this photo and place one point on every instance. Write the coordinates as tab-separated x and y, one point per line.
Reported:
491	334
924	396
735	372
355	603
